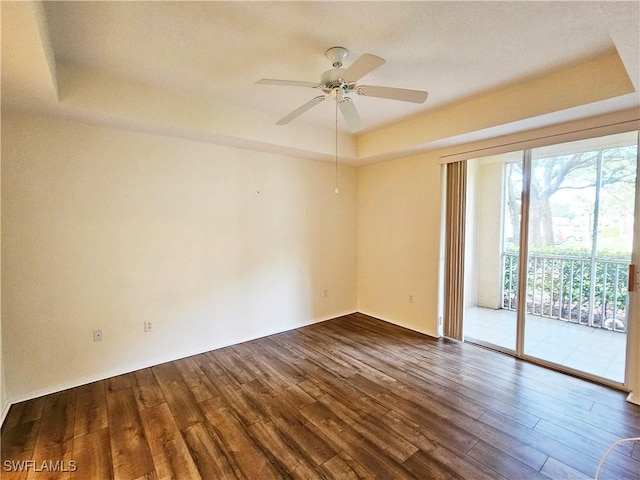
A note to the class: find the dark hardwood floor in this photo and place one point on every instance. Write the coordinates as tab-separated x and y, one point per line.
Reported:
349	398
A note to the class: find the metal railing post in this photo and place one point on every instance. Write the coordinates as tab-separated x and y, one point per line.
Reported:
594	242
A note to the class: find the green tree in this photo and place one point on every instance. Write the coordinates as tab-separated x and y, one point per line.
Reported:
576	171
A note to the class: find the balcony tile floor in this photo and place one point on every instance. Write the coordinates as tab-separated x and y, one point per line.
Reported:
592	350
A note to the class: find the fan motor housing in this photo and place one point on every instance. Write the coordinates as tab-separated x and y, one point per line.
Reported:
332	79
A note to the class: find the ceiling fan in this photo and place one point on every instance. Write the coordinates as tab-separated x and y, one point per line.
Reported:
339	82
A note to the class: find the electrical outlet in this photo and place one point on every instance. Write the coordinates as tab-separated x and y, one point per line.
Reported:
325	293
410	298
148	326
97	335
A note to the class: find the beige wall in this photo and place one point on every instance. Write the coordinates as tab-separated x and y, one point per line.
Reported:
398	241
103	228
4	401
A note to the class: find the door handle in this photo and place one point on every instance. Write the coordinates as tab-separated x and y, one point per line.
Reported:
632	278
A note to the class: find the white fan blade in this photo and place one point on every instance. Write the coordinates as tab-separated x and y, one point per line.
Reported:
351	115
365	63
415	96
300	110
286	83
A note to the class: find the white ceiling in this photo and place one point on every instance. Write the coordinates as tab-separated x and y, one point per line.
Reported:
217	50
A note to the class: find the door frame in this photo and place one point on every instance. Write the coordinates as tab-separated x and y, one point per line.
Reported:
632	367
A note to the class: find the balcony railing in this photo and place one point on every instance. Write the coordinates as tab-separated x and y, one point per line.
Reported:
560	287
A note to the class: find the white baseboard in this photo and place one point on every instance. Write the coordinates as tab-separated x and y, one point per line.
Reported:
77	382
399	324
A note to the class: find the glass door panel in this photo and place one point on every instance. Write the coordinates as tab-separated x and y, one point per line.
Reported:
492	245
580	228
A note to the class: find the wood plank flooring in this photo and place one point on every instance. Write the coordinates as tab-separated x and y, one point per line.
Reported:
349	398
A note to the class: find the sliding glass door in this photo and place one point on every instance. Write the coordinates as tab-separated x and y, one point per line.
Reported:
555	289
580	237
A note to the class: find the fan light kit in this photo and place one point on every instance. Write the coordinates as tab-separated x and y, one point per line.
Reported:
340	82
